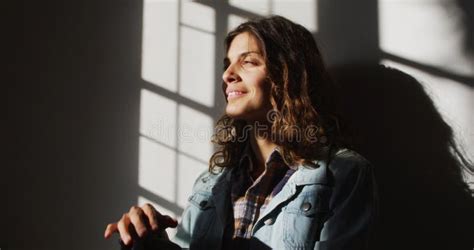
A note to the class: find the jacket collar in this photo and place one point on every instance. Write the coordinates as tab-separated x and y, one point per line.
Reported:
307	175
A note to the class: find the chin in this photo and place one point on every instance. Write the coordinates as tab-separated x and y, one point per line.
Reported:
234	114
246	112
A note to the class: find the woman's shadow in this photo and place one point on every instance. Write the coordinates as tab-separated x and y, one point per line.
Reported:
424	202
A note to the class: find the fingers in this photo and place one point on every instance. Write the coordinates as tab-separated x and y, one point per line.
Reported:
111	228
123	226
139	221
156	219
167	221
152	216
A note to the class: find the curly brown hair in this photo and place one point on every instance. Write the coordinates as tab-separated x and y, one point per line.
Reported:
302	96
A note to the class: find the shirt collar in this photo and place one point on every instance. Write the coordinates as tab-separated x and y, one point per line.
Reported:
246	157
275	156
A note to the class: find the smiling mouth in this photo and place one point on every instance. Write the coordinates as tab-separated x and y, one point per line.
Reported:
235	94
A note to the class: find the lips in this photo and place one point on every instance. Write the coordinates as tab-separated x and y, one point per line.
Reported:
234	93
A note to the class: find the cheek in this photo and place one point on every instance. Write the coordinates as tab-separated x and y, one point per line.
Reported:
262	92
259	85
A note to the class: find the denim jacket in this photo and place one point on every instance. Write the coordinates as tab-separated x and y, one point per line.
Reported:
332	206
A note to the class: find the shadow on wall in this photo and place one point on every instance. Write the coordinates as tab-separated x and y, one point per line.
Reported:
467	10
424	202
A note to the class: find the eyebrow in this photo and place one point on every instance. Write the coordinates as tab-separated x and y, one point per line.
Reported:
244	54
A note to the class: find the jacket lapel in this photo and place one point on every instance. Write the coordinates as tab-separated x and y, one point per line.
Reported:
221	197
303	176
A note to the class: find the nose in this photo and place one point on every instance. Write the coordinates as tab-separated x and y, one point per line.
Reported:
230	75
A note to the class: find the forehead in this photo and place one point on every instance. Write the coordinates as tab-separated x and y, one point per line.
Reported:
242	43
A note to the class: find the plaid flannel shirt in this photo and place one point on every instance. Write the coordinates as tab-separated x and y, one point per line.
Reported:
250	197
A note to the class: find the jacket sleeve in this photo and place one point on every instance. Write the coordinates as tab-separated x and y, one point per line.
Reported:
183	233
353	205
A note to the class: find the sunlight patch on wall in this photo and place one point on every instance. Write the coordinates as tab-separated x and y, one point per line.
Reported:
194	133
424	31
160	43
197	66
156	168
198	16
158	118
188	170
178	53
259	7
299	11
233	21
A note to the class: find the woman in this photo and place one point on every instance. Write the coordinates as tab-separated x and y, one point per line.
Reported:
281	177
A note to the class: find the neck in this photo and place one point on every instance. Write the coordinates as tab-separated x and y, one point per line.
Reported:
262	146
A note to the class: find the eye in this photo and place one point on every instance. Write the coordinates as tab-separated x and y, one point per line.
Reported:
249	62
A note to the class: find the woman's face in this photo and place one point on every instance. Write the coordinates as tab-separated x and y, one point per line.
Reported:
247	92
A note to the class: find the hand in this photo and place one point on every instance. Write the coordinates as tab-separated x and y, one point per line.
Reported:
142	220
